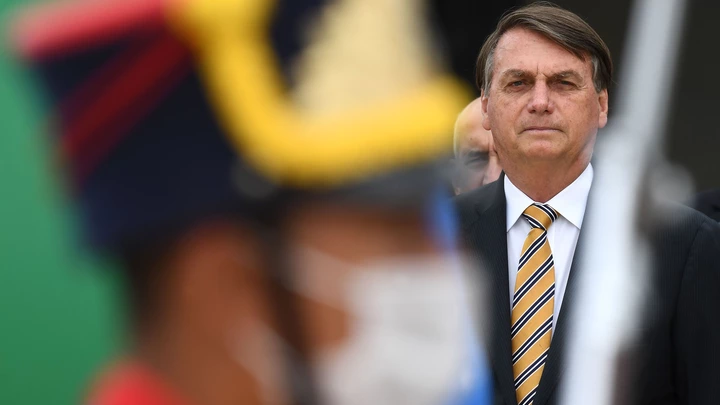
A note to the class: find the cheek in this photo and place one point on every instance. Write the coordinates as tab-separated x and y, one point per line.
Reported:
498	122
582	115
504	114
476	178
503	134
324	326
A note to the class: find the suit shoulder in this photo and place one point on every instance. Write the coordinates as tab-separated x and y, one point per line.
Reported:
470	204
680	226
708	202
709	196
678	217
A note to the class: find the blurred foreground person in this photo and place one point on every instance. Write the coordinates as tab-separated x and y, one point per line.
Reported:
544	74
476	162
280	246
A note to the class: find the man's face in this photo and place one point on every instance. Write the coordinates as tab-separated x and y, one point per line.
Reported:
377	299
542	105
477	163
355	236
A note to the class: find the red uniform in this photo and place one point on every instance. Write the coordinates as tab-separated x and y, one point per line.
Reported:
132	383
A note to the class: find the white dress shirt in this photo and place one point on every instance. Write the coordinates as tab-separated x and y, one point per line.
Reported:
563	233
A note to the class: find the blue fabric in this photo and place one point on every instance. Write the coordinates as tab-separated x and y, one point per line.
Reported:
475	385
174	167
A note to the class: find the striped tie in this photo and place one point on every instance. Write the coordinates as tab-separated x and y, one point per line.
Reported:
532	306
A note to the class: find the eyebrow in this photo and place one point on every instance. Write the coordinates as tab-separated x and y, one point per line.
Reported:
517	73
565	74
514	73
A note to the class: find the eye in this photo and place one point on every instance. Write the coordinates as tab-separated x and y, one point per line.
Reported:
515	85
477	161
566	84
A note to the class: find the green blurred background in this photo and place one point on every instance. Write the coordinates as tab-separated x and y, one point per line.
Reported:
59	308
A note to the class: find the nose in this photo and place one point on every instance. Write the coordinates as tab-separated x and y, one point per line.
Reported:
540	102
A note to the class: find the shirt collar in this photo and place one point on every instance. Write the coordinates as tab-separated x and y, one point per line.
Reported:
570	202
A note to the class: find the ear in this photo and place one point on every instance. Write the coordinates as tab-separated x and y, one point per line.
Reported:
494	169
455	176
485	119
603	101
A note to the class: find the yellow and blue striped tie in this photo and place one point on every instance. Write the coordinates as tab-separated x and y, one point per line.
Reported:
533	303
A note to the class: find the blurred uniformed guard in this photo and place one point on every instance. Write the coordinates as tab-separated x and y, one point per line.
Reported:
265	174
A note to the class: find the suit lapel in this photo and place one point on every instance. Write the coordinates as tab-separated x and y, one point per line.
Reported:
488	240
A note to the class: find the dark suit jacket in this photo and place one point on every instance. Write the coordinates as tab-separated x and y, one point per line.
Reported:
678	360
708	203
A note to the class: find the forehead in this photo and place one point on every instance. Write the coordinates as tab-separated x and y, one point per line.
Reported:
527	50
476	139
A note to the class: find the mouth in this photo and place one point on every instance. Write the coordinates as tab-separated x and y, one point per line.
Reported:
539	129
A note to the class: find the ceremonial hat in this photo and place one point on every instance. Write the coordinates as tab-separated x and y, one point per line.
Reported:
163	112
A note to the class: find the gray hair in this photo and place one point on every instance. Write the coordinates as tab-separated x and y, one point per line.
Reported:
559	26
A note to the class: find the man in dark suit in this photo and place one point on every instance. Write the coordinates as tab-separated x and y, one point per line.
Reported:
544	75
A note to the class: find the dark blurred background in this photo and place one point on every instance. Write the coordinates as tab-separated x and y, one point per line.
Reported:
693	139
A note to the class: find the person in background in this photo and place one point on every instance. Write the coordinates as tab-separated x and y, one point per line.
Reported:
270	254
544	75
476	161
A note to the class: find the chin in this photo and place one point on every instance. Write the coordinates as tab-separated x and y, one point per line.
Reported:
542	151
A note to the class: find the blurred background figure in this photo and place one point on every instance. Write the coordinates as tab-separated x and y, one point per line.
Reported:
476	162
270	192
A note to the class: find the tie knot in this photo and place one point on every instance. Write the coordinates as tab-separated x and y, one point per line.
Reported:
540	215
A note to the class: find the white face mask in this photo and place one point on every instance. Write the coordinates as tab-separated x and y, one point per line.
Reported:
408	339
